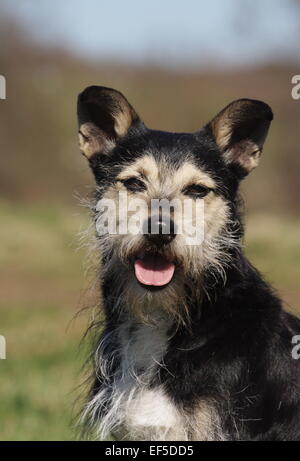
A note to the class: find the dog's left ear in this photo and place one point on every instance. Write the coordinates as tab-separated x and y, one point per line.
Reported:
240	131
104	116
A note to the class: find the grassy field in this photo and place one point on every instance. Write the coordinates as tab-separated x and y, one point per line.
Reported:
41	282
41	278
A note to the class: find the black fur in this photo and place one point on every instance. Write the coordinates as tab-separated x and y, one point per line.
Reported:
237	351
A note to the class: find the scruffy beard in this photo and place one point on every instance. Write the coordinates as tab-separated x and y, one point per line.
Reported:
144	302
192	263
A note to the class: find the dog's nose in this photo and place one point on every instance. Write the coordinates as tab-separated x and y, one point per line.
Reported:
159	232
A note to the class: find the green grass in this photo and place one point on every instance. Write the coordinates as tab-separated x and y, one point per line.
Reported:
41	279
40	374
272	244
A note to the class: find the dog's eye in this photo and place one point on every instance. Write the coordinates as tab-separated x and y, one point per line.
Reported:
196	191
134	184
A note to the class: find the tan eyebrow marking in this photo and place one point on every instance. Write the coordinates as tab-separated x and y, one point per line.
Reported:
128	175
144	167
143	173
189	174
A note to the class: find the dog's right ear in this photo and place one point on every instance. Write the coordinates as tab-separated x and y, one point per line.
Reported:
104	116
240	131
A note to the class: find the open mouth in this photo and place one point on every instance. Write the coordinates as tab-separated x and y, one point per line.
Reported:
154	270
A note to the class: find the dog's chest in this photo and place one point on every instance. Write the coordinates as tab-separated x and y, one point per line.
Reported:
142	346
145	412
141	410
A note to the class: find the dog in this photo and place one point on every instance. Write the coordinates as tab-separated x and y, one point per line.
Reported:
195	344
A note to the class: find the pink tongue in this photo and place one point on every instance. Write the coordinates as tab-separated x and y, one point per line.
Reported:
154	270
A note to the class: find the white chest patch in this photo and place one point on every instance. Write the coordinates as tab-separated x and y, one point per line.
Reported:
150	415
143	413
135	410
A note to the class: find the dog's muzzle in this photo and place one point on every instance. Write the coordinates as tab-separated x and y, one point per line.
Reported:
159	232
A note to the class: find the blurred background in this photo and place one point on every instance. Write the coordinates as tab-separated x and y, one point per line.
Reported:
178	63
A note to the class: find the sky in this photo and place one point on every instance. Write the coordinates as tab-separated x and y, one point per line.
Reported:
172	32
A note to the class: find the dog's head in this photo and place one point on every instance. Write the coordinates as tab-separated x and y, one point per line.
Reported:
181	189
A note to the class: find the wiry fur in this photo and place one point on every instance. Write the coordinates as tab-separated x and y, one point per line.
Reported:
208	356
